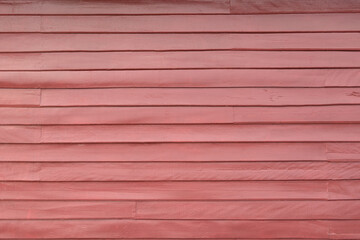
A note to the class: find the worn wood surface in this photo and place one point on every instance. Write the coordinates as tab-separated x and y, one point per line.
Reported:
178	60
207	78
175	120
293	6
200	96
338	22
38	42
164	228
178	152
179	115
178	171
178	7
109	7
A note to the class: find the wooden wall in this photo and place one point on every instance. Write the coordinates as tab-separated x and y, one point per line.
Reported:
164	119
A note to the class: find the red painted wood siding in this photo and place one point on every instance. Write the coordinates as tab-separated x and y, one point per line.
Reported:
170	119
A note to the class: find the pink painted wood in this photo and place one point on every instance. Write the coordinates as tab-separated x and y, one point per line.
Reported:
167	119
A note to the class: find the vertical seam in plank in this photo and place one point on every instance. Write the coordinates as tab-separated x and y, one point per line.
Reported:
40	99
326	150
40	96
229	4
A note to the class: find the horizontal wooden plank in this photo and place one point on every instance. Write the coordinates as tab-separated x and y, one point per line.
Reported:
201	133
66	209
177	171
178	60
300	114
20	134
118	115
249	190
344	189
344	229
241	210
248	210
159	42
114	7
183	78
199	96
179	115
180	133
19	97
163	152
343	152
168	23
162	229
294	6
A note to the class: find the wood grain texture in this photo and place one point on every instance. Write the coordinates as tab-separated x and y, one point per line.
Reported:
40	7
20	134
198	97
164	42
178	60
66	210
229	210
117	115
201	133
162	229
19	97
343	152
168	119
249	190
293	6
248	210
164	152
183	78
97	172
344	229
179	115
344	190
299	114
168	23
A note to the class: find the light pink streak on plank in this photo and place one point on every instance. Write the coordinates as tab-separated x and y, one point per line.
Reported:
20	134
117	115
249	190
183	78
65	210
171	152
198	97
162	229
349	22
201	133
258	210
114	7
293	6
300	114
159	42
343	151
177	171
178	60
19	97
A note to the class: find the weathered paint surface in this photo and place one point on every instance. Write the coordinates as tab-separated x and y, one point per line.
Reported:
167	119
